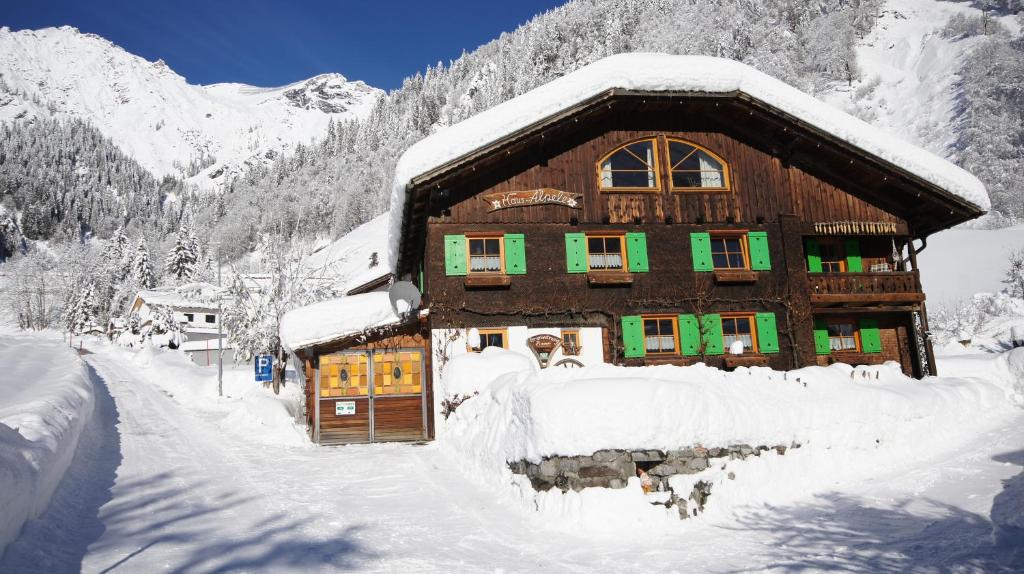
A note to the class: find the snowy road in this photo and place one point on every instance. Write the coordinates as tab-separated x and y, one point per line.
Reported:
158	487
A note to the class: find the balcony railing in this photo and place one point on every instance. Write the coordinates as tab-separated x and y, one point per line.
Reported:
886	287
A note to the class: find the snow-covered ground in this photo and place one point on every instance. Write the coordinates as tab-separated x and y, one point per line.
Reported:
169	478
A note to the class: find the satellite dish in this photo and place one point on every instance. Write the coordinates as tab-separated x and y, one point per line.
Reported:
404	296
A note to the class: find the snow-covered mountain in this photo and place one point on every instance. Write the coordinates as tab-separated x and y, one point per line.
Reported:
202	133
910	70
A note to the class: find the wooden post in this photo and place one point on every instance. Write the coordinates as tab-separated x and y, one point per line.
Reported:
801	318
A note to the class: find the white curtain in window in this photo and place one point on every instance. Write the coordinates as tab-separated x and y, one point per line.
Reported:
710	174
650	164
606	174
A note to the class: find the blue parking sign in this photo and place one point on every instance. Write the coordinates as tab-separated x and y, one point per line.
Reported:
264	368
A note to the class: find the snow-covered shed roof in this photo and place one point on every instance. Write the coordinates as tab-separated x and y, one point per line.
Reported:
189	295
358	258
666	73
337	319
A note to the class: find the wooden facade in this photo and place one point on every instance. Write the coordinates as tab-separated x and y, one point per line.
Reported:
825	230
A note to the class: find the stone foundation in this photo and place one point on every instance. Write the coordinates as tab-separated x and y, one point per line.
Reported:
614	468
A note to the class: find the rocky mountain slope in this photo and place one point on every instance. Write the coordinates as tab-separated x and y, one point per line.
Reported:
204	134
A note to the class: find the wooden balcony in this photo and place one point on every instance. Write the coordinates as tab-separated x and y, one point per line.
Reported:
865	288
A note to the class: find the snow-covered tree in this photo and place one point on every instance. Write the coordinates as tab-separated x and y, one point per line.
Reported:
253	316
183	258
81	315
164	330
142	269
1014	278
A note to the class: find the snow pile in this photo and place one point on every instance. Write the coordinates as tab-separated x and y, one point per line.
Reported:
1005	370
846	419
337	319
247	409
44	405
663	72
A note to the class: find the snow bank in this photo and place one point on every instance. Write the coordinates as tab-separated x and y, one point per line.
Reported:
46	400
846	419
663	72
247	408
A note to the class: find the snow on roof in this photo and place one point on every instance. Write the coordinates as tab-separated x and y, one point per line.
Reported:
348	262
337	319
664	72
201	295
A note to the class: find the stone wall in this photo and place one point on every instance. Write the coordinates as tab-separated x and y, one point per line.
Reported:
613	469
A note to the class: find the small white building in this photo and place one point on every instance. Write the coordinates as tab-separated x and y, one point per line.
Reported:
194	305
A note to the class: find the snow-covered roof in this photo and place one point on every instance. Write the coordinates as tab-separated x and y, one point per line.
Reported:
337	319
349	261
666	73
197	295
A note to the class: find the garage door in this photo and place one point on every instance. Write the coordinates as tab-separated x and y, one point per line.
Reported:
372	396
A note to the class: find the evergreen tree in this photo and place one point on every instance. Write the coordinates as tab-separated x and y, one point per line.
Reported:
183	258
142	269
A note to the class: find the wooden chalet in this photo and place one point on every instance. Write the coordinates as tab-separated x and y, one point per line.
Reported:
650	216
653	209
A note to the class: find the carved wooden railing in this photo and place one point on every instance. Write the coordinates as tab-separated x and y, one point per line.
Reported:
886	287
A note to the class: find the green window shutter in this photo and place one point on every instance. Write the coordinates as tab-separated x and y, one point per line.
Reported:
767	333
576	252
454	254
853	260
711	324
760	259
870	338
515	254
821	343
700	244
636	252
689	335
813	255
633	336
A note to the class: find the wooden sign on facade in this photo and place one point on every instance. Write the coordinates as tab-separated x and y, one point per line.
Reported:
545	196
543	346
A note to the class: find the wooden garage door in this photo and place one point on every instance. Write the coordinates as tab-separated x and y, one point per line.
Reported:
398	396
344	387
372	396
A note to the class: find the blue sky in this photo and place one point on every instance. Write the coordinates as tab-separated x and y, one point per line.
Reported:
268	43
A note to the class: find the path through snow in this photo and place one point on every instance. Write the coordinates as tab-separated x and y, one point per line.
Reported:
156	487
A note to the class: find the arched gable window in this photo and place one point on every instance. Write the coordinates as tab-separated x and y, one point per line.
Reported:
692	167
633	166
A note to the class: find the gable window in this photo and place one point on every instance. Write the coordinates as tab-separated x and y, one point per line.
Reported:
739	328
570	343
843	336
633	166
492	338
660	335
729	251
605	253
485	254
694	168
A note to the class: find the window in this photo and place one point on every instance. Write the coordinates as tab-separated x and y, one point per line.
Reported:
633	167
833	257
739	328
605	253
570	342
843	336
210	319
190	317
660	335
694	168
485	254
492	338
729	251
